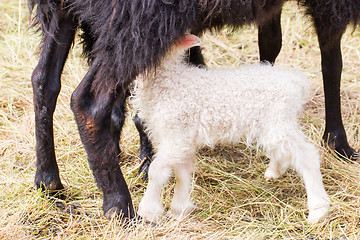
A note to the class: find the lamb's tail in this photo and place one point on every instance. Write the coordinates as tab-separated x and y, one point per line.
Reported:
295	84
303	84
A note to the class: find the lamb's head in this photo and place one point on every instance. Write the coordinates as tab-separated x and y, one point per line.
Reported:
179	48
186	42
171	62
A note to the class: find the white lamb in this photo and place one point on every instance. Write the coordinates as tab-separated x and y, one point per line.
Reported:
185	108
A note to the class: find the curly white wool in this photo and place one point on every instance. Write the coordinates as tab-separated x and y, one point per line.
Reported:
185	108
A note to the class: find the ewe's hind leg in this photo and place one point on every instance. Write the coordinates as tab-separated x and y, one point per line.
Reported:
92	109
330	27
195	57
182	204
150	207
117	120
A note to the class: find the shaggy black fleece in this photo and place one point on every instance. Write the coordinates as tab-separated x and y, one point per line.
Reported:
131	36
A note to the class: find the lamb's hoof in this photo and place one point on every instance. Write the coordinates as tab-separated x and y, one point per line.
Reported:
180	211
270	174
316	214
150	214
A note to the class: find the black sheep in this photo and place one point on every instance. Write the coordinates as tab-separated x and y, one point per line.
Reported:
124	38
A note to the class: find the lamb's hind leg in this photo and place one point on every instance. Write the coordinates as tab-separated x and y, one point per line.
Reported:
306	161
46	87
276	168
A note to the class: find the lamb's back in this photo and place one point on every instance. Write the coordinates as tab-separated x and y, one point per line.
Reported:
212	104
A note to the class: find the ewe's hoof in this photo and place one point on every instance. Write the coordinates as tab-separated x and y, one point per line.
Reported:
48	181
53	188
119	205
112	212
338	142
351	155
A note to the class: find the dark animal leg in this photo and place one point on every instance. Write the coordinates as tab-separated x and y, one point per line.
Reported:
146	149
46	87
196	58
93	113
117	120
331	63
270	38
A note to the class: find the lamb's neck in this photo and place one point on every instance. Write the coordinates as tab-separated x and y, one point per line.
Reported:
169	66
173	59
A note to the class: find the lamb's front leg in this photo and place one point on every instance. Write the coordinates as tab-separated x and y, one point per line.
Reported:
182	204
150	207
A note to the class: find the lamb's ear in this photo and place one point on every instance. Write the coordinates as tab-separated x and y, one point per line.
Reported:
189	41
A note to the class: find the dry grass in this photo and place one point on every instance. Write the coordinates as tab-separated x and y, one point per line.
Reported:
233	199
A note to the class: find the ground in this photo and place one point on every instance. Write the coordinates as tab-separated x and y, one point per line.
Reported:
233	199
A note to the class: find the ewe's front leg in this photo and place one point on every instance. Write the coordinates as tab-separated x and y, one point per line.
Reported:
330	28
92	107
146	148
46	87
270	39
